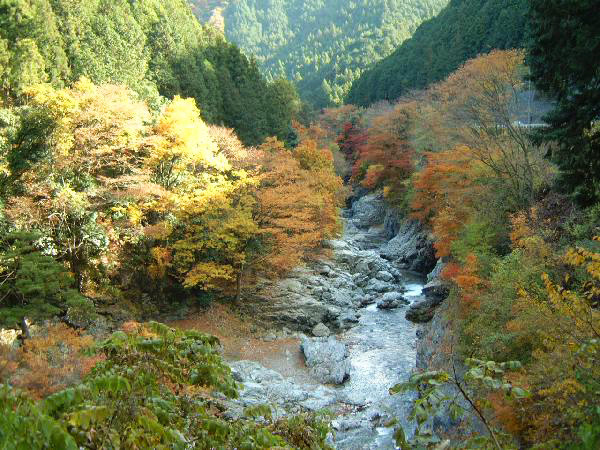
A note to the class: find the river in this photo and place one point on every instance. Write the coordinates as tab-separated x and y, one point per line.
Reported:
381	347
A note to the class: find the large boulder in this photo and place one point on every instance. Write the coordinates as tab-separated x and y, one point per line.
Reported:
391	300
327	358
368	211
411	247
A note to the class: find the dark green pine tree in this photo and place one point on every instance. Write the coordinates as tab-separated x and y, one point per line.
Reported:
564	56
32	285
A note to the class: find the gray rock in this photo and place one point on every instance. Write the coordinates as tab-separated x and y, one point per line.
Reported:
361	280
347	320
411	247
378	286
291	285
319	399
362	267
423	311
321	330
327	359
368	211
391	300
345	424
367	300
437	270
436	289
391	223
384	276
336	244
262	385
250	371
340	297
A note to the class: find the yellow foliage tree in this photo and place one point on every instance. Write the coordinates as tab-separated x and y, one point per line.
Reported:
565	372
181	145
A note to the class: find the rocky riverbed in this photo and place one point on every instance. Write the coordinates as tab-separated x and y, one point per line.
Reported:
348	311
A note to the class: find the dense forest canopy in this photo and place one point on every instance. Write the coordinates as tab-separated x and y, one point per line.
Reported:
462	30
321	45
158	48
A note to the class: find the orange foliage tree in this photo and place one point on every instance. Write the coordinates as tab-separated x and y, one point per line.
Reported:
386	159
446	195
297	202
479	106
49	362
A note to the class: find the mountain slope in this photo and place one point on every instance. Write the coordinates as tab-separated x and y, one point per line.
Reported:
153	46
323	45
464	29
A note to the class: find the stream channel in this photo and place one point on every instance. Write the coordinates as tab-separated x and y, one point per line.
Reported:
380	344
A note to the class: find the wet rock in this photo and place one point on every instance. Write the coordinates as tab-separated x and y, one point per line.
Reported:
391	300
327	359
321	330
367	300
368	211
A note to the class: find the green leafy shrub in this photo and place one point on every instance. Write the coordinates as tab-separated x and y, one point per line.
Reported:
24	425
153	389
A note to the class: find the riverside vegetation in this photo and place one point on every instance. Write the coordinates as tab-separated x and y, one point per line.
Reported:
137	173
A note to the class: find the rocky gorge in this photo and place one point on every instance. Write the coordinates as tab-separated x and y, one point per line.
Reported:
351	313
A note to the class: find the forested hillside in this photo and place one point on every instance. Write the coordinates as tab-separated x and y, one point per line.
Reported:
154	47
464	29
519	261
322	45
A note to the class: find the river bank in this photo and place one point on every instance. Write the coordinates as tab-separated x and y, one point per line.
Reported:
356	303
